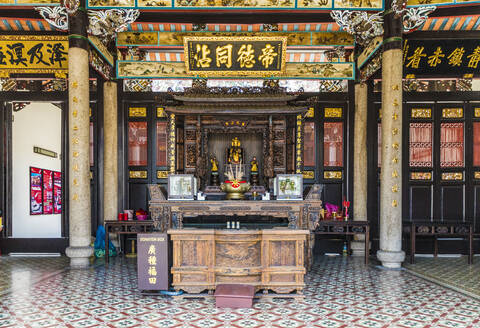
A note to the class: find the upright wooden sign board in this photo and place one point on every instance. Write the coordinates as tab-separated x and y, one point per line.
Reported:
152	261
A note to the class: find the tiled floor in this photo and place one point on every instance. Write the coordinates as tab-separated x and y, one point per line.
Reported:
453	272
18	272
341	292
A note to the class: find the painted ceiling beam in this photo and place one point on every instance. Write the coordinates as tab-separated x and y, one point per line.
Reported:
433	24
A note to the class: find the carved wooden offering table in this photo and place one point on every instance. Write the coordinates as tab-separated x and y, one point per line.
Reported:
300	213
269	259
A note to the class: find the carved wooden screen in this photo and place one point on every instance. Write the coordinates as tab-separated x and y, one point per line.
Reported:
332	152
146	141
436	175
418	175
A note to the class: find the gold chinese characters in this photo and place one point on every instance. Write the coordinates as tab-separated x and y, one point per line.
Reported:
152	262
229	55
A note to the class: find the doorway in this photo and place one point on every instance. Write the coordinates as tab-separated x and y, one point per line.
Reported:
33	184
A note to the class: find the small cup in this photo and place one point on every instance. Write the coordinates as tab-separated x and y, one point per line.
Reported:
129	214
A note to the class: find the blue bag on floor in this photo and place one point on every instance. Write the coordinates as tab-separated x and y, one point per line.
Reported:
99	245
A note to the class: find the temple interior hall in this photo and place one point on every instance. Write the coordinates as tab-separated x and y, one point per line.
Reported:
247	163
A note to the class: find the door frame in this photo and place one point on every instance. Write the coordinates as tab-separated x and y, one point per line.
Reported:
7	242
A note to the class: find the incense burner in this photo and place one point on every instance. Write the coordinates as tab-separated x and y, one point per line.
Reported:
235	189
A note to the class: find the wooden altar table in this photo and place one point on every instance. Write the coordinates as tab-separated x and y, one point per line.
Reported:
301	214
268	259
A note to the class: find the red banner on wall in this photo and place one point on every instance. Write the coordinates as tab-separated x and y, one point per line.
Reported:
36	203
57	192
47	192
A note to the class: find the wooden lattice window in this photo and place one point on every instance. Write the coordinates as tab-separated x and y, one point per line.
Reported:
451	145
421	144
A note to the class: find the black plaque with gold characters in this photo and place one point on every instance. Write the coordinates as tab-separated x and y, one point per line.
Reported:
235	56
152	261
445	58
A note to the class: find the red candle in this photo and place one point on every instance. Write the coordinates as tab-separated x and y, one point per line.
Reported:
120	216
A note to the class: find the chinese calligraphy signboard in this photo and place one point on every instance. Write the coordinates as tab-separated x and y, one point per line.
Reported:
446	58
152	261
235	56
42	54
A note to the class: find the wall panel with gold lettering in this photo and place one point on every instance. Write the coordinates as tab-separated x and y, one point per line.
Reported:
442	58
44	54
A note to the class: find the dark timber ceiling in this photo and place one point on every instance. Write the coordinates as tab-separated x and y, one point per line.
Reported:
244	17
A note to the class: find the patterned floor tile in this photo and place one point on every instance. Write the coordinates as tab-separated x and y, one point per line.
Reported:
21	271
453	272
340	292
328	323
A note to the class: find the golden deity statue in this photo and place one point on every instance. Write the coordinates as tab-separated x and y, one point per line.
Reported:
214	163
254	165
235	152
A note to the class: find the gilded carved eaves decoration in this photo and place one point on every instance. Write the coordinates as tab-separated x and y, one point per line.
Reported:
55	16
102	23
415	17
363	25
71	6
107	23
399	7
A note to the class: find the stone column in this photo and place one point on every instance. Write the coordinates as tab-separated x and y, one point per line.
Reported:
110	151
360	165
390	253
79	250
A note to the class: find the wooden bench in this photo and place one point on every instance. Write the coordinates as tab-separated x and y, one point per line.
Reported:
439	229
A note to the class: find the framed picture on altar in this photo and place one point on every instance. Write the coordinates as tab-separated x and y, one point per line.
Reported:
181	187
289	186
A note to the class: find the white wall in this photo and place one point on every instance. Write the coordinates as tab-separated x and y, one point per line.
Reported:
38	124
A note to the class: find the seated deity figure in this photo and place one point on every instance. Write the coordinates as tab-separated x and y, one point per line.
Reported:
235	152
